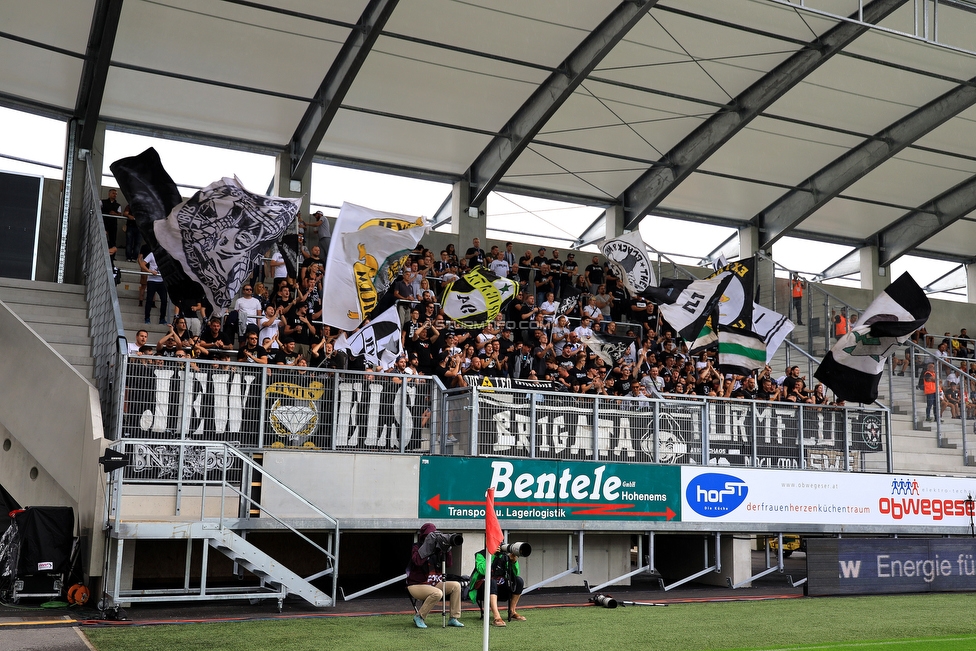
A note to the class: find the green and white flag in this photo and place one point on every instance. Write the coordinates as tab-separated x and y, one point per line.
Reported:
740	351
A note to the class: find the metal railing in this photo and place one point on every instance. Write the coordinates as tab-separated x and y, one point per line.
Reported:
705	431
947	431
255	406
107	332
819	306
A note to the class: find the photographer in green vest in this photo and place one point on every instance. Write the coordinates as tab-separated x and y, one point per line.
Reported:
505	584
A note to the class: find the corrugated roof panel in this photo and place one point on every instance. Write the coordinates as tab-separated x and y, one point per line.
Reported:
397	142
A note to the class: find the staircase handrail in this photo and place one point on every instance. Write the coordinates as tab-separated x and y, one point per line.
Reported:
818	286
104	313
674	264
247	461
941	362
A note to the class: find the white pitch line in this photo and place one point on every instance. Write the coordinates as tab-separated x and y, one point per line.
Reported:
851	645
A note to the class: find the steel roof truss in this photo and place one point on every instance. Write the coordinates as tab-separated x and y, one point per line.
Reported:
796	205
849	263
919	225
336	84
98	57
654	185
491	165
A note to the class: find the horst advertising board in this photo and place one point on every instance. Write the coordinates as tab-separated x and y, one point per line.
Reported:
741	496
533	489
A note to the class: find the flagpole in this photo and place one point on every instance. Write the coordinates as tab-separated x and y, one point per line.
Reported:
493	538
487	597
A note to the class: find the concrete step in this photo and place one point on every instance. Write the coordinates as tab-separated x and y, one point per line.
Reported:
43	294
41	286
57	333
52	314
58	313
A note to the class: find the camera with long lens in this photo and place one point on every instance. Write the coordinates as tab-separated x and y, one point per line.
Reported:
518	548
444	541
604	600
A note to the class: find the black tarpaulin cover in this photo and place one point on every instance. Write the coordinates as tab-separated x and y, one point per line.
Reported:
46	534
7	504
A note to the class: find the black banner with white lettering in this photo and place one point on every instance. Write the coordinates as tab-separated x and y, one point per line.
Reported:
625	431
289	407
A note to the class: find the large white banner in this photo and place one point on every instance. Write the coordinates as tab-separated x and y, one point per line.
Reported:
750	496
368	251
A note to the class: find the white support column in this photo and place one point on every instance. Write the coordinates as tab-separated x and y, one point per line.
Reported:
463	223
285	186
765	271
748	241
615	221
76	180
971	283
873	277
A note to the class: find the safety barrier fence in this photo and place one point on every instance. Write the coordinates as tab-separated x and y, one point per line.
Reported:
707	431
104	313
258	406
255	406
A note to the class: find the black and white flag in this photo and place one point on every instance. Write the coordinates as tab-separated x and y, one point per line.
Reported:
216	236
735	307
628	256
853	366
685	303
368	251
610	348
378	341
570	303
772	326
477	297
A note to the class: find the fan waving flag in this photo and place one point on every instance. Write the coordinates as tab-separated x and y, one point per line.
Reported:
219	234
853	366
368	250
686	304
378	341
207	245
628	256
476	298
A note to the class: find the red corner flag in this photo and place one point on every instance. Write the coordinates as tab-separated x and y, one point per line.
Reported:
493	530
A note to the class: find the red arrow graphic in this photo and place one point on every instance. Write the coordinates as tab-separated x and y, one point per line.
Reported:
586	508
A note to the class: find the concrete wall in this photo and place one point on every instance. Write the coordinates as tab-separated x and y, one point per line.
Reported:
52	418
50	231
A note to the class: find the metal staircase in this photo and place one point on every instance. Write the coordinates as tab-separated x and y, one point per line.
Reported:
262	565
209	487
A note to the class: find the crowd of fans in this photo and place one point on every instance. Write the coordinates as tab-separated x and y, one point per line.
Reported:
944	375
541	336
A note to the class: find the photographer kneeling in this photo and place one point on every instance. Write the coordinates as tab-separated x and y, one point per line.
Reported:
425	578
505	584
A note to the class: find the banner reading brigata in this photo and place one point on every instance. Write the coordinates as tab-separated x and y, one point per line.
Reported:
734	495
532	489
